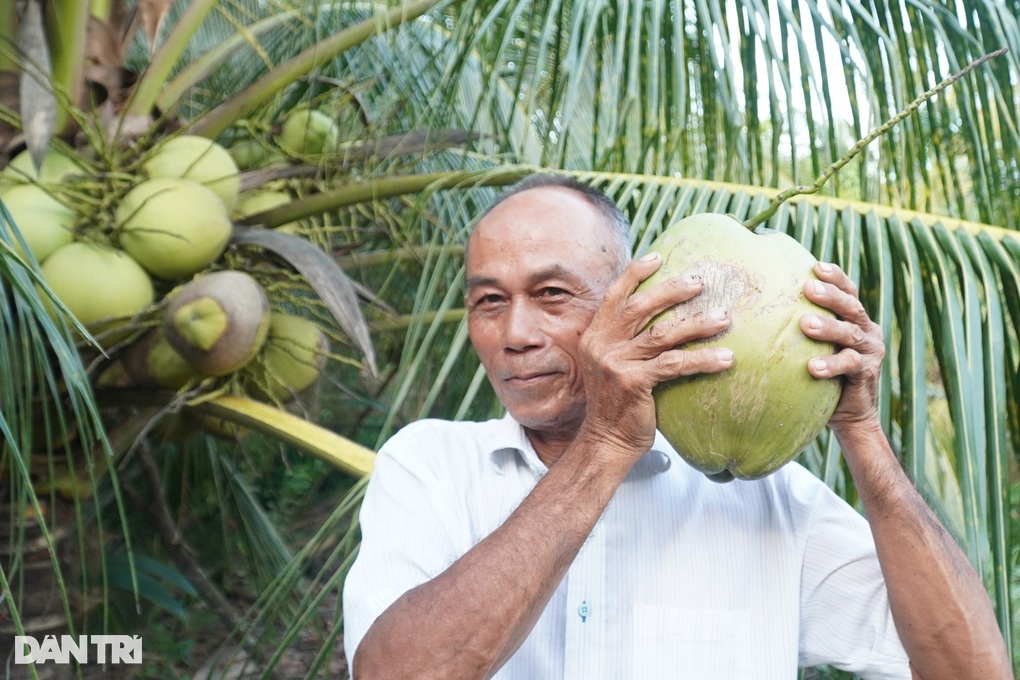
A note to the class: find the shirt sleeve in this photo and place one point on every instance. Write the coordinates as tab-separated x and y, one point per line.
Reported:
404	537
845	617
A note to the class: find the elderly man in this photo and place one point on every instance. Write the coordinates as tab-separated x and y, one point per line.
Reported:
568	540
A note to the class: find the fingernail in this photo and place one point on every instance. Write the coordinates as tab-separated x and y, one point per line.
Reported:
717	314
825	267
817	287
724	355
693	279
813	321
649	257
818	364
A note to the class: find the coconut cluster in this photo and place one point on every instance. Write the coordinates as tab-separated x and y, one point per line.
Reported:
172	224
138	273
305	135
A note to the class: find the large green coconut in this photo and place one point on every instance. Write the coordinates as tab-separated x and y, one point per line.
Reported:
200	160
250	154
173	227
101	286
750	420
218	322
43	221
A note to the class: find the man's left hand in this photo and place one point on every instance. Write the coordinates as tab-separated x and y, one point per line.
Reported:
859	342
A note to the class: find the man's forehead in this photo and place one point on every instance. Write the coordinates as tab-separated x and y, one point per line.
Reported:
540	214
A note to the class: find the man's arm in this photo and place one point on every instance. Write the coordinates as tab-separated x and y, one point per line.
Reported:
467	622
942	613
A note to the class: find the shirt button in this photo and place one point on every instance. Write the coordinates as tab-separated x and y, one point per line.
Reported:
583	611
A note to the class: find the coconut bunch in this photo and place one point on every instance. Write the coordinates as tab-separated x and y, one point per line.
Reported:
106	260
140	264
304	135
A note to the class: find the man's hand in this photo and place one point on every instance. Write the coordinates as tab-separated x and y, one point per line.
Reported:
622	358
942	613
860	344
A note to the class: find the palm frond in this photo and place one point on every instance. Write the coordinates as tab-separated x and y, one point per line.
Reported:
759	94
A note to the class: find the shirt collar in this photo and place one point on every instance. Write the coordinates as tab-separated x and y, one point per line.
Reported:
511	444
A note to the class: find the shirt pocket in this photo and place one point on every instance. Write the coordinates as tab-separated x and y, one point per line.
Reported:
689	644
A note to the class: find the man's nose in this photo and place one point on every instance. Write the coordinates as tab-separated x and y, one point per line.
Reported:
523	326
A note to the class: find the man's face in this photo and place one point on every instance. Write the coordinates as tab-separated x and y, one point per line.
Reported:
538	266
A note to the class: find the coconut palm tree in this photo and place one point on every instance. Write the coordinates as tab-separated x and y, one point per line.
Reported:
673	108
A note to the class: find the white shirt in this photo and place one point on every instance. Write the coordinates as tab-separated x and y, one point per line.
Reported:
681	577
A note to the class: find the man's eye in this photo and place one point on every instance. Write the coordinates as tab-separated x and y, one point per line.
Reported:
552	293
490	300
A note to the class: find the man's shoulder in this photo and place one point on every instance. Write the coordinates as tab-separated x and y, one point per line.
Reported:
434	437
429	428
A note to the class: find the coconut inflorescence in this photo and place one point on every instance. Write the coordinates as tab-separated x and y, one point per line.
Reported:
750	420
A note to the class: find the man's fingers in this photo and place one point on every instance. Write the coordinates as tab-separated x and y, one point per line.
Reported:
835	291
637	271
670	333
679	362
631	311
842	333
846	362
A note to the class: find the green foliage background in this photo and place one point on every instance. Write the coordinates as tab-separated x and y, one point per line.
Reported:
673	108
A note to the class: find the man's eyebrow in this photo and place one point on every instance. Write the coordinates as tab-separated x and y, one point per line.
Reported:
479	281
555	271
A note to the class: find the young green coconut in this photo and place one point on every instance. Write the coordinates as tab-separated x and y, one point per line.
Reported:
750	420
56	167
100	285
152	362
217	322
173	227
43	221
200	160
292	359
307	132
255	202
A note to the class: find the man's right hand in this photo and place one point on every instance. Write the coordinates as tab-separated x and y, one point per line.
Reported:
622	357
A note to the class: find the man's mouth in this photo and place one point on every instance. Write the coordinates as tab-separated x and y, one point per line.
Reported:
525	379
